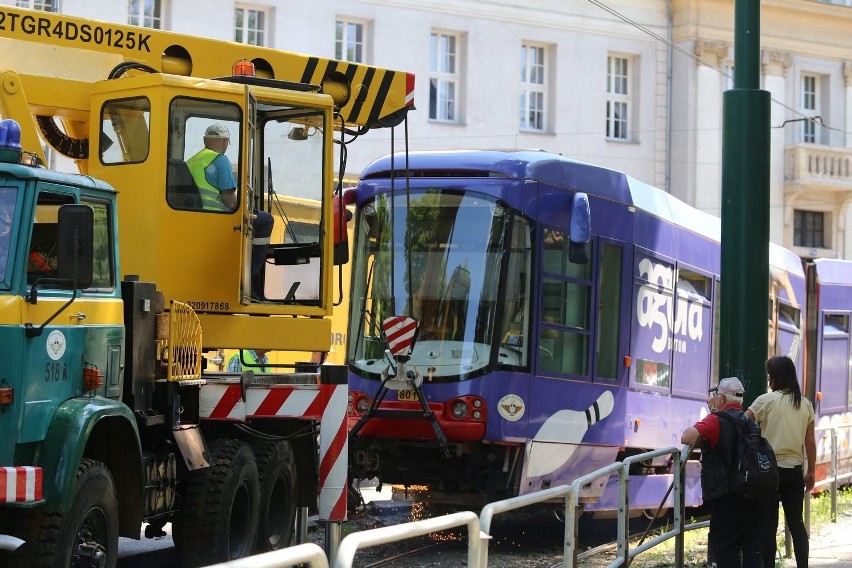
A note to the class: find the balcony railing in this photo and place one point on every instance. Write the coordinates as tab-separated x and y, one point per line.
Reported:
828	167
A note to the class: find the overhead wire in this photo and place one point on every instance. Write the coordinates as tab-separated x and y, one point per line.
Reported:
658	37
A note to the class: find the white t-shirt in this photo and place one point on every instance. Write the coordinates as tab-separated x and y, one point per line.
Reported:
783	425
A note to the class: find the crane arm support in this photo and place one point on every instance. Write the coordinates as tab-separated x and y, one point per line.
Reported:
60	46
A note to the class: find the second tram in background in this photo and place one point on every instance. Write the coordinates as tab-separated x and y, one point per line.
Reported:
567	318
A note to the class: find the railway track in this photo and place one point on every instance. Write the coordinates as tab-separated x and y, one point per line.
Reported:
530	539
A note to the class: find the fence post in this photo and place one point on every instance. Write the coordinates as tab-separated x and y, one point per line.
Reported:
623	544
834	475
572	530
679	505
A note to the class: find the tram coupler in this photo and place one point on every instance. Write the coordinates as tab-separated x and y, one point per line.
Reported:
401	334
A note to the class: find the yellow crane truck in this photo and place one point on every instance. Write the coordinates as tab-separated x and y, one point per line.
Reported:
115	281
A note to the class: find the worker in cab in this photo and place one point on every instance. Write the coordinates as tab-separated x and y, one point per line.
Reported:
212	173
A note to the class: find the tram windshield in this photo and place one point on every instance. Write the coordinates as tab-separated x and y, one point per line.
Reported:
442	257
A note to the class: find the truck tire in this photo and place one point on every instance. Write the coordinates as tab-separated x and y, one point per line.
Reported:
277	515
219	511
84	537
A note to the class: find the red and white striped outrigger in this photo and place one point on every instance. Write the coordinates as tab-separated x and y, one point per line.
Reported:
324	402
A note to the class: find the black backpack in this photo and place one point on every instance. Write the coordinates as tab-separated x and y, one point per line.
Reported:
754	471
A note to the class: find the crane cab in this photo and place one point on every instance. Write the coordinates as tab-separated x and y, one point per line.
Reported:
149	134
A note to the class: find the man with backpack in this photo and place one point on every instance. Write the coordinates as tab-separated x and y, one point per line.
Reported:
736	476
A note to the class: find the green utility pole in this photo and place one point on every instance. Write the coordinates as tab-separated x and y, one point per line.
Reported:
745	211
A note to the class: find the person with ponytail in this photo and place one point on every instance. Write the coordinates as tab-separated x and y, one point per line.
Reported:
786	420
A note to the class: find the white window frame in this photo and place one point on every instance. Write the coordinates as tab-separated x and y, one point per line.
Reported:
444	77
138	13
42	5
533	108
809	104
619	90
257	34
346	40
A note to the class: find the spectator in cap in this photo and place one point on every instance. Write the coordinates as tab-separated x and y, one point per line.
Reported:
787	422
212	173
735	529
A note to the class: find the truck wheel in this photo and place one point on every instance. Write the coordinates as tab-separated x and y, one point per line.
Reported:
84	537
277	515
218	517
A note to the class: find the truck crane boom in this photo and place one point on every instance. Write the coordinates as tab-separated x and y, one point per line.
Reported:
60	57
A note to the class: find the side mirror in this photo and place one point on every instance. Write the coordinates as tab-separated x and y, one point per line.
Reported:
75	248
580	230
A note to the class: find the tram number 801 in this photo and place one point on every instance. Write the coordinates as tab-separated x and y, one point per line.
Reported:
407	395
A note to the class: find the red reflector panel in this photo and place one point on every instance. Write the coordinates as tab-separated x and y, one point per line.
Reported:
20	484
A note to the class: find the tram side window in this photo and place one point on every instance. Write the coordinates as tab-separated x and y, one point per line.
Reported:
566	307
692	333
651	349
787	330
514	293
609	313
834	363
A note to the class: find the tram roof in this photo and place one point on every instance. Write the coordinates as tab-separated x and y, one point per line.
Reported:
556	170
833	271
542	166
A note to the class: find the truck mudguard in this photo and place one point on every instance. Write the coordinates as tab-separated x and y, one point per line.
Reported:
78	429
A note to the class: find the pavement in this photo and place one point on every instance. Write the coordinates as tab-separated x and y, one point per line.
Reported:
831	544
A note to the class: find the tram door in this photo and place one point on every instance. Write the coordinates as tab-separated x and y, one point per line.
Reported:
834	371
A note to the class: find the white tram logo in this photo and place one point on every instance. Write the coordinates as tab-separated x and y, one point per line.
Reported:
654	309
511	407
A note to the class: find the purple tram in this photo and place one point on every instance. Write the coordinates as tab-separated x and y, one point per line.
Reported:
566	319
828	354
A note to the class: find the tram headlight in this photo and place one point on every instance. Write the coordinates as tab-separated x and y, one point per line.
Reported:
459	409
363	405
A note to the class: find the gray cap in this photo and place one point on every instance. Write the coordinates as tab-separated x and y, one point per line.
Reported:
731	386
217	131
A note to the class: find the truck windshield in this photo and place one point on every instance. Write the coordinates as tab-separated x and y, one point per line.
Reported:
8	203
446	272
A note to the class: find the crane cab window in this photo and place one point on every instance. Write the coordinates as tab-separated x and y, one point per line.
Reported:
202	171
125	131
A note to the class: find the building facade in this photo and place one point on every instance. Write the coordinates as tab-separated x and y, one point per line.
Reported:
635	86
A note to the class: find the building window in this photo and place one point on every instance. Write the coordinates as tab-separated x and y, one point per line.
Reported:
809	229
349	41
250	25
533	87
145	13
617	97
810	108
43	5
443	76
